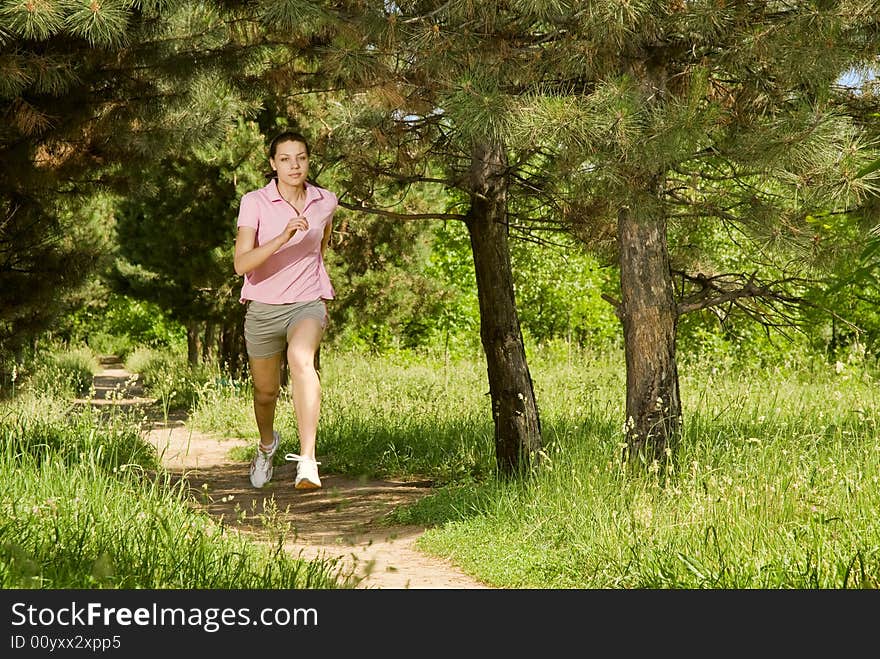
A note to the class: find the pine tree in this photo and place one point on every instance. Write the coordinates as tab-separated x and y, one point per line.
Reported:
174	239
430	79
625	120
671	116
89	92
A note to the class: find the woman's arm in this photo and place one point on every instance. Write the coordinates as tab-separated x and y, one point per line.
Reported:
248	257
325	239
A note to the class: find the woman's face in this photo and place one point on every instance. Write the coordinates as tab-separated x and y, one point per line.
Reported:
291	163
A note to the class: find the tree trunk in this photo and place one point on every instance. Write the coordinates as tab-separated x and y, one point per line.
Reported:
514	410
649	316
233	354
209	342
193	342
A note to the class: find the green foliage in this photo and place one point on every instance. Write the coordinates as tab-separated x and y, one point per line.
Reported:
63	372
115	324
853	293
81	506
386	296
46	255
110	344
822	326
405	285
740	342
167	376
558	292
194	197
457	326
91	94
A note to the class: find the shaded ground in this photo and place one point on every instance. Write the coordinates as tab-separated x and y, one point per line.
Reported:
341	521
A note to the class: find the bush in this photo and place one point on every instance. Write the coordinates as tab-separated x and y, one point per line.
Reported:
167	376
104	343
64	373
45	428
116	324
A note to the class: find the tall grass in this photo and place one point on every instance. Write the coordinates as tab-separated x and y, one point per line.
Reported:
83	506
169	378
776	483
62	372
41	428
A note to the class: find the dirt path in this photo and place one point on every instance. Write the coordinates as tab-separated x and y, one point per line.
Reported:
341	521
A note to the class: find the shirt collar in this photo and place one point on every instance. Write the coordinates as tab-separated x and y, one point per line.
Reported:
313	192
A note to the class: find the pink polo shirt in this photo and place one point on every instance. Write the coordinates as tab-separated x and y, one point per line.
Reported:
296	272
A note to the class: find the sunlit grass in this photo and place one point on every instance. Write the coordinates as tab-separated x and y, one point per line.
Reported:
776	483
83	505
400	416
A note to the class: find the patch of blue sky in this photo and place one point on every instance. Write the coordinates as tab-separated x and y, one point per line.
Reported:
857	79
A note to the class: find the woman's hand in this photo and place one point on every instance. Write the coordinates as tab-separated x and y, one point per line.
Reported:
248	256
295	224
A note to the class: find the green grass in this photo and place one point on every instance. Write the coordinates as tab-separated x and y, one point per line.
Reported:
398	416
168	377
46	428
776	484
82	505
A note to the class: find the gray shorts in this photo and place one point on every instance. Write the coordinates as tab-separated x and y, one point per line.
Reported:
266	326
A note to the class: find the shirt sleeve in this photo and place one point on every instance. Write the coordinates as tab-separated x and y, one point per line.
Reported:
248	212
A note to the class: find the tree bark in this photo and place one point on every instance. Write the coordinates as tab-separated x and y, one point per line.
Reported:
514	409
209	343
233	353
193	342
649	316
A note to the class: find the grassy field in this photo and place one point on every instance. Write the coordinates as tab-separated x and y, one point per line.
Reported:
776	484
84	505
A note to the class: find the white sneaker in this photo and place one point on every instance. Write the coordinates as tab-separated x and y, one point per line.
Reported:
306	472
261	465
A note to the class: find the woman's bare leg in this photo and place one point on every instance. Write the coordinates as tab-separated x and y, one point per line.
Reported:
266	376
302	344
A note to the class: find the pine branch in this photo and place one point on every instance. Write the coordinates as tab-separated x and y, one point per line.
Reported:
767	303
361	208
719	289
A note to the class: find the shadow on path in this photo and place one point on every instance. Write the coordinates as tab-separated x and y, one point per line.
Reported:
342	521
